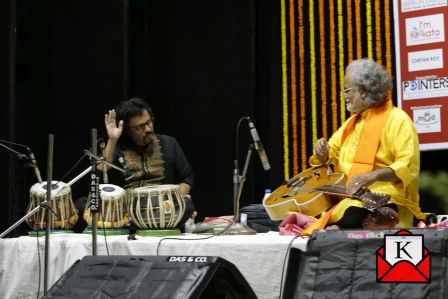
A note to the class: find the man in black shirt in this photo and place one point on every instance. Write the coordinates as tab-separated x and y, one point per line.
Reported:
153	159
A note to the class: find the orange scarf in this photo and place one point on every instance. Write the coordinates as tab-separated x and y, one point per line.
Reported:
365	153
370	138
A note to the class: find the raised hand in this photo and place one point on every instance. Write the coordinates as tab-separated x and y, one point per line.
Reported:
113	131
321	150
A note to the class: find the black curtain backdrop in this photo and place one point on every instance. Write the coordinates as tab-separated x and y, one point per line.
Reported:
197	63
201	65
194	61
4	112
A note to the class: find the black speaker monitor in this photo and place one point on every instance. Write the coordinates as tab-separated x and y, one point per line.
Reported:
344	264
133	277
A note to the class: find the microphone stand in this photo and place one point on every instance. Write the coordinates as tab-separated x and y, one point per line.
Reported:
94	194
43	205
20	156
48	214
46	204
237	228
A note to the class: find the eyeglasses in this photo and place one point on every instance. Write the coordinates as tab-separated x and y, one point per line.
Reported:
141	127
347	90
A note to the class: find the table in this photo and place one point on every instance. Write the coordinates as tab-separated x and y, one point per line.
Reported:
259	258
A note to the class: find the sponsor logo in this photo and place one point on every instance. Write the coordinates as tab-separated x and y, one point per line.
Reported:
425	88
403	258
425	60
412	5
427	119
425	30
365	235
188	259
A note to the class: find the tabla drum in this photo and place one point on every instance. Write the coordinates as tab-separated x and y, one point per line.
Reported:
112	211
64	214
155	207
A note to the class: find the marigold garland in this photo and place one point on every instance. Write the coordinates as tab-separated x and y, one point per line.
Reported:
313	72
284	94
334	99
303	142
387	31
292	33
378	46
358	29
323	73
341	60
369	28
349	31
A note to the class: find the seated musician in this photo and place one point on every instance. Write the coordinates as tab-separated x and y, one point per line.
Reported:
152	158
376	148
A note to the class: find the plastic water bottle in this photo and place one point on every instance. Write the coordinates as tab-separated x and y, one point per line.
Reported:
267	193
243	218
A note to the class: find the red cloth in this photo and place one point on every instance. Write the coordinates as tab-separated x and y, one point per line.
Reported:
294	224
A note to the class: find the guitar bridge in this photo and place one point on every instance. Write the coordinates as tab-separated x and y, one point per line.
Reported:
298	182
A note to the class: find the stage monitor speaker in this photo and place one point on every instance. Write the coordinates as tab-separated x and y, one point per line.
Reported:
133	277
343	264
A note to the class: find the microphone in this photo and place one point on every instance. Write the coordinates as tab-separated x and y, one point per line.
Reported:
124	169
127	173
259	146
33	164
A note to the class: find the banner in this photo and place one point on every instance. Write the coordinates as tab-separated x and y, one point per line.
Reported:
421	67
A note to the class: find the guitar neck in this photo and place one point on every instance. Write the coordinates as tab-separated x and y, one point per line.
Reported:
333	189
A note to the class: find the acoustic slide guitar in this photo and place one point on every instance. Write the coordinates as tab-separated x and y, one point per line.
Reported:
313	191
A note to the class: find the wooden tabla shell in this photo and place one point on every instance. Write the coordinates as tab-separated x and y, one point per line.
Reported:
112	210
156	207
61	204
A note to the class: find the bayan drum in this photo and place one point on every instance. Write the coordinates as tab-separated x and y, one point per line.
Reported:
64	213
155	207
111	212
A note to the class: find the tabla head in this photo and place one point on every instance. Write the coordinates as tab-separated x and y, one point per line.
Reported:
57	187
112	208
108	190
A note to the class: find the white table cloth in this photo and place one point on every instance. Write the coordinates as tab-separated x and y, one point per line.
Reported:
258	257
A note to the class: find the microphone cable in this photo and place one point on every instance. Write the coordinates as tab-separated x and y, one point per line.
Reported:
180	239
39	265
284	263
104	229
237	139
13	143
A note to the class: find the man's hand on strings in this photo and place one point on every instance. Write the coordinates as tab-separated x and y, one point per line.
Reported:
359	181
